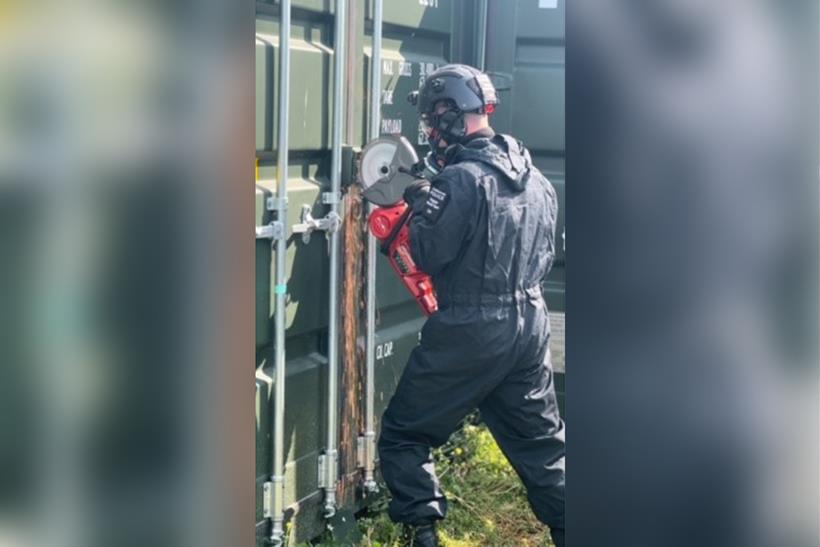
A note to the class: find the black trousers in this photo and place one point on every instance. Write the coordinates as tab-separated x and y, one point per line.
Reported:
492	357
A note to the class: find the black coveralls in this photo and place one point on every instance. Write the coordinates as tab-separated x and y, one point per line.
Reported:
486	234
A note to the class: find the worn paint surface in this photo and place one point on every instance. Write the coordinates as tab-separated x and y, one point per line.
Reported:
353	355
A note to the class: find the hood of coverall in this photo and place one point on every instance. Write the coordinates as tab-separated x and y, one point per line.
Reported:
507	155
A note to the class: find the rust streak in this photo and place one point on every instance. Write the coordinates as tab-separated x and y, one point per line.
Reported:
352	299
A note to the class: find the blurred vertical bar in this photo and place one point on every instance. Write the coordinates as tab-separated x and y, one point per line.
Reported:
126	290
692	294
481	34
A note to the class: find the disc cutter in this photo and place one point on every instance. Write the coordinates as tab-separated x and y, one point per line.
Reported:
387	166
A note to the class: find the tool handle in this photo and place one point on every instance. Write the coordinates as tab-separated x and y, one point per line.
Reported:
403	219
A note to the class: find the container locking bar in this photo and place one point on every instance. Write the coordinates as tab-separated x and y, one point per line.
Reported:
280	205
329	224
334	252
367	442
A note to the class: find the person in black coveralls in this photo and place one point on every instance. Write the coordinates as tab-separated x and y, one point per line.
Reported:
484	228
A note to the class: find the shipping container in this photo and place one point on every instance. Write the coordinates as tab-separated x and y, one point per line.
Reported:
522	43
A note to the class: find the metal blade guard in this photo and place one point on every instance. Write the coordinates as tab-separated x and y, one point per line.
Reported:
385	169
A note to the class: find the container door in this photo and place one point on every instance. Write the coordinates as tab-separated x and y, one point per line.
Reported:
418	36
307	264
526	41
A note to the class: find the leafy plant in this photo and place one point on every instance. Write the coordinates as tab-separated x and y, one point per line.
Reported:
487	502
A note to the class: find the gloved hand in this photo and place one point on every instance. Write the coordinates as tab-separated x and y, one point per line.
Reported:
416	194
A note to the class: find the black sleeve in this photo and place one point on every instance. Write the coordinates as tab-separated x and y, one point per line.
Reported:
441	225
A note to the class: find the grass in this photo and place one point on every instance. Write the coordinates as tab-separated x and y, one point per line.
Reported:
487	502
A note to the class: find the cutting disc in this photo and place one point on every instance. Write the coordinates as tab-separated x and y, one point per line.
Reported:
382	169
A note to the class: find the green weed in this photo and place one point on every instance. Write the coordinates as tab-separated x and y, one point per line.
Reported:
487	502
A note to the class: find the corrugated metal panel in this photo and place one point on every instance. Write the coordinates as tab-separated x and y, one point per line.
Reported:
417	39
311	52
311	43
419	35
527	40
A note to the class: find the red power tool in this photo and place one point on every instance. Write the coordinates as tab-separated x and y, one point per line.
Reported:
387	165
391	227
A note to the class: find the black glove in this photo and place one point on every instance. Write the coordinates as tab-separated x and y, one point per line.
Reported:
416	194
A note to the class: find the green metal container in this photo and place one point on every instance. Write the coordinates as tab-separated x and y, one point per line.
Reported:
418	36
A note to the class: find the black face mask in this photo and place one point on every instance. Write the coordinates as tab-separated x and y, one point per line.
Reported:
448	126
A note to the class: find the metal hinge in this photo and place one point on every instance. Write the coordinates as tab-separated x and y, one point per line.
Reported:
329	224
327	469
275	231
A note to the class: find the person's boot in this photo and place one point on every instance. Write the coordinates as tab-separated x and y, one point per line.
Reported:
557	536
421	535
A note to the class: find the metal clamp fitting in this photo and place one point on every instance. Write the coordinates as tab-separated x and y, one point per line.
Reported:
329	224
331	198
275	231
274	203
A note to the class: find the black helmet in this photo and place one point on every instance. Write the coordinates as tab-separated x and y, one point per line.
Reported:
464	89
